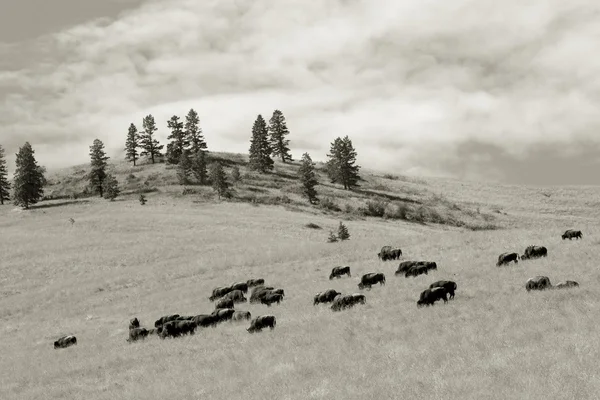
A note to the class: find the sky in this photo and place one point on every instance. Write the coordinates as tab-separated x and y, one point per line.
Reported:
470	89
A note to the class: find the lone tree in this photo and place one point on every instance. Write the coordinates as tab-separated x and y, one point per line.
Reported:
29	179
260	150
179	141
198	167
218	179
193	132
131	144
343	233
308	178
4	183
110	187
150	146
184	167
341	166
278	131
98	161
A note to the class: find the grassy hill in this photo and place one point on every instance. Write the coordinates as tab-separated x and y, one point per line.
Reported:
120	259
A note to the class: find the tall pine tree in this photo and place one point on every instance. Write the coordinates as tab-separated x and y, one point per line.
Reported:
193	132
341	166
150	146
131	144
278	131
98	162
308	178
260	150
28	180
4	183
178	140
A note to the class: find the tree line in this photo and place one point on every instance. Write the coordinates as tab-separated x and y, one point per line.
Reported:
188	151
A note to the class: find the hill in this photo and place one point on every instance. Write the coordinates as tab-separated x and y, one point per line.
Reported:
120	259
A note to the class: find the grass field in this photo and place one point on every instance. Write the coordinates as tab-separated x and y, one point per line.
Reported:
120	260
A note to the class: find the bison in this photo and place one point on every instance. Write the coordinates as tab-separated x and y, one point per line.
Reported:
358	298
163	320
206	320
219	292
389	253
337	272
224	303
534	252
405	266
506	258
264	321
347	301
325	297
571	233
65	341
417	270
134	323
271	298
241	286
450	287
370	279
177	328
237	296
241	315
538	283
137	333
255	282
566	284
224	314
430	296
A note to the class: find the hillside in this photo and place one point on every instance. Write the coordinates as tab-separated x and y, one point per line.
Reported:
120	260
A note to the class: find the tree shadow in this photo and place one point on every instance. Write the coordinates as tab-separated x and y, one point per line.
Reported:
59	204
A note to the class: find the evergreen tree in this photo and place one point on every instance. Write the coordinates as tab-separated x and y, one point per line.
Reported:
179	140
278	131
218	179
308	178
184	167
149	145
332	238
28	180
260	150
131	144
193	132
4	183
110	187
98	173
235	174
341	166
198	167
343	233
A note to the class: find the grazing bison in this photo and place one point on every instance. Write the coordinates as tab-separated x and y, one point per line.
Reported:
241	315
571	233
255	282
430	296
347	301
538	283
177	328
134	323
534	252
429	265
405	266
271	298
65	341
566	284
325	297
450	287
389	253
224	314
137	333
417	270
224	303
259	292
163	320
264	321
220	292
505	258
384	251
337	272
358	298
241	286
370	279
237	296
205	320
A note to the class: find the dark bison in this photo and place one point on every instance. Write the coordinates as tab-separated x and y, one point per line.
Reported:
566	284
405	266
241	286
571	233
428	264
137	333
241	315
177	328
134	323
219	292
450	287
337	272
505	258
347	301
264	321
224	314
271	298
224	303
389	253
163	320
237	296
259	292
358	298
255	282
538	283
325	297
206	320
430	296
534	252
65	341
370	279
417	270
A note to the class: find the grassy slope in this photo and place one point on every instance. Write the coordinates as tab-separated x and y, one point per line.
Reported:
120	260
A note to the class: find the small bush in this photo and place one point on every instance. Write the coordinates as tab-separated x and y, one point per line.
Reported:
343	233
332	238
328	204
375	208
396	211
312	226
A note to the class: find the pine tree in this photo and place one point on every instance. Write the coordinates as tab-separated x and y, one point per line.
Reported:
184	167
110	188
28	180
278	131
235	174
150	146
131	144
4	183
198	167
193	132
308	178
179	140
98	173
260	150
341	166
343	233
218	179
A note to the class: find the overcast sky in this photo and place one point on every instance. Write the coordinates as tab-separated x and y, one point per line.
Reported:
476	89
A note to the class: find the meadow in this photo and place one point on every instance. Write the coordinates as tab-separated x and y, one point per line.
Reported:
120	260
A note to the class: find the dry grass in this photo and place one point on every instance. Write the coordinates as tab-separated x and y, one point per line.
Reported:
121	259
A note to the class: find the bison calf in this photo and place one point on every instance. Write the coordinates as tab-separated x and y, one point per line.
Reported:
137	333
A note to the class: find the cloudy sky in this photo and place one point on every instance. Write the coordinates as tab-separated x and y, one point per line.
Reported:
473	89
